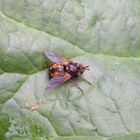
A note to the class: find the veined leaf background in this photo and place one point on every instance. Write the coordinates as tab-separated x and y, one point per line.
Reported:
104	34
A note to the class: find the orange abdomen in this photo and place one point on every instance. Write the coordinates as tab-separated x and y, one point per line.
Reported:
56	70
55	74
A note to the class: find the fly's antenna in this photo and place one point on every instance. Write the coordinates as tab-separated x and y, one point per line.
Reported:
87	67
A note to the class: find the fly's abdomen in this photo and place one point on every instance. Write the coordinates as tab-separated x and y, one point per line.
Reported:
56	70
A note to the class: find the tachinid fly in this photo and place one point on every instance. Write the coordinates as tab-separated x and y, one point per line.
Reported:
63	70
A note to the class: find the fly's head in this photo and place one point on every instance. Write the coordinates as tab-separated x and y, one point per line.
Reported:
81	68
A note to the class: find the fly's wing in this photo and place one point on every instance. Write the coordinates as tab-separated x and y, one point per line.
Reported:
53	57
57	81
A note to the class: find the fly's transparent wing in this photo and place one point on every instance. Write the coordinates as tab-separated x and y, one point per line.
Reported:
54	57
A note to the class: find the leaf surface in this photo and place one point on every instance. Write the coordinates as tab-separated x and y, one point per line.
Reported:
102	34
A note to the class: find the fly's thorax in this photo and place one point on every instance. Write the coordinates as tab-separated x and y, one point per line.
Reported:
71	69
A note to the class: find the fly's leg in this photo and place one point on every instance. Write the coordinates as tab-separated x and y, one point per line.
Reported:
85	80
75	85
80	89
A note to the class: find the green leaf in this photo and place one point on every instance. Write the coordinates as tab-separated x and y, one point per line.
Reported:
102	34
